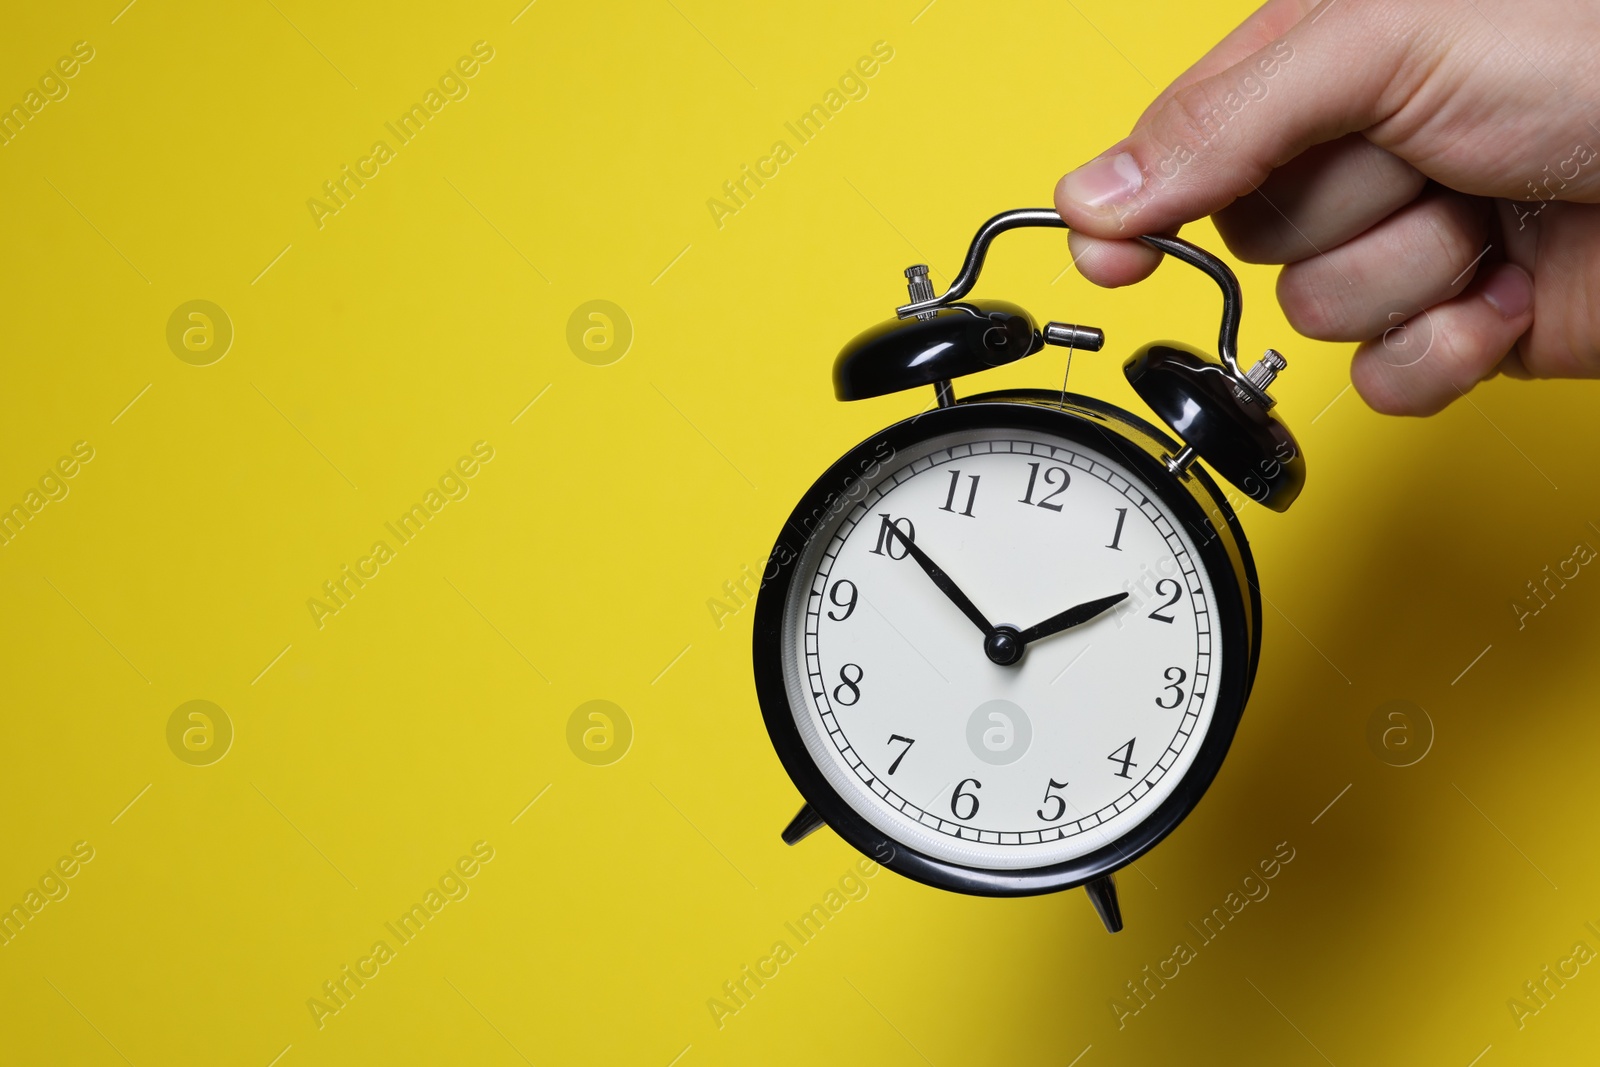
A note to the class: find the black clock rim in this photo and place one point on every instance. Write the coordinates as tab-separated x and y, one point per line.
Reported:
997	412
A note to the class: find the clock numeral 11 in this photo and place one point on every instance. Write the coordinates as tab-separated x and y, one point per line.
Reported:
950	498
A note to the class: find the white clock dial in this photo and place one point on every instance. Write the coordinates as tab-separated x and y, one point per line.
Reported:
959	757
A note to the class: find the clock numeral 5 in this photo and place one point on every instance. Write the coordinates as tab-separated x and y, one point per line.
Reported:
1060	802
1049	472
1124	756
886	543
908	741
950	497
849	685
1174	684
960	794
833	595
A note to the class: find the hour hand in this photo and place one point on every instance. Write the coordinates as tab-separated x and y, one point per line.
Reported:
943	581
1073	616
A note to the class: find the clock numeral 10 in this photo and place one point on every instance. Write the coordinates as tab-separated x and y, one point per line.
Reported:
950	497
1124	756
1049	472
887	543
961	794
1060	802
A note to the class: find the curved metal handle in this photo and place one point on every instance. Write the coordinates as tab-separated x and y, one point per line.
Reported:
1176	247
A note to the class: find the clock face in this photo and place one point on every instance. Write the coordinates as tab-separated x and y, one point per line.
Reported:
985	764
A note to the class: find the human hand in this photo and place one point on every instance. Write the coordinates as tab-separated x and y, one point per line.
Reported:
1427	169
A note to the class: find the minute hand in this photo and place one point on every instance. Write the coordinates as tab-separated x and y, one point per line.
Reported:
1071	617
942	580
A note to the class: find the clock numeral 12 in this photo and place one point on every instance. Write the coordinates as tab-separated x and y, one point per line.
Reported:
950	498
1124	756
1033	477
887	543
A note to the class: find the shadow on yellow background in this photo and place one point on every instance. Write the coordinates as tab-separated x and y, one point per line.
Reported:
392	757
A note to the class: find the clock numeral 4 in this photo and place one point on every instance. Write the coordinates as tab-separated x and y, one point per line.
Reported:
1177	591
1124	756
1173	684
908	743
950	497
849	685
1052	475
1060	802
961	794
833	595
887	543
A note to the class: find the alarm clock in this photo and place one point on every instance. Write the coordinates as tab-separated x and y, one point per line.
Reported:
1002	646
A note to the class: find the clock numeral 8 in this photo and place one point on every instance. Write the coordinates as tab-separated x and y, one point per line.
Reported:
959	795
849	685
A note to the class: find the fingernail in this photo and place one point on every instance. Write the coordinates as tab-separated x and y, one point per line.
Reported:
1103	182
1509	291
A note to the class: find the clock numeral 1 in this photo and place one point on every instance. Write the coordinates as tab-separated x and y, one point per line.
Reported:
908	742
959	795
1033	478
849	685
1060	802
1116	538
887	543
1124	756
950	497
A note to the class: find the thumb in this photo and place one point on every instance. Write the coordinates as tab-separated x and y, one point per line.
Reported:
1217	138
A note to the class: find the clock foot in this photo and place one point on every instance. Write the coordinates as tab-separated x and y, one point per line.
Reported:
1103	895
802	825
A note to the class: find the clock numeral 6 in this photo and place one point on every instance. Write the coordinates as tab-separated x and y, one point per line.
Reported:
833	595
961	794
1174	684
1124	756
1060	802
849	685
1049	472
887	543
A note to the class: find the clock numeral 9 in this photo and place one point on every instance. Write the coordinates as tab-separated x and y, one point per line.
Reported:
1124	756
960	794
1174	684
833	595
1060	802
1033	476
1177	591
887	543
849	685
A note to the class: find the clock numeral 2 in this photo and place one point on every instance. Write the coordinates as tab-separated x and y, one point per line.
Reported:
950	497
1061	803
887	543
1124	756
908	741
849	685
1177	591
1033	477
959	795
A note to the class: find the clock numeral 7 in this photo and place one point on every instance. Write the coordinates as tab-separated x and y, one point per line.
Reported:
1060	802
1033	476
887	543
950	497
1124	756
908	742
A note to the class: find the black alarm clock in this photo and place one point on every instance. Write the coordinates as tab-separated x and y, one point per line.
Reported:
1002	646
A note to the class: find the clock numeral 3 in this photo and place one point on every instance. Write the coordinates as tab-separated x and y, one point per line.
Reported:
908	742
887	543
849	685
1174	684
1060	802
833	595
960	794
1049	472
950	497
1177	591
1124	756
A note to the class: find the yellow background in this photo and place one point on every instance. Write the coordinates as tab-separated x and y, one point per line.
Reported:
429	712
